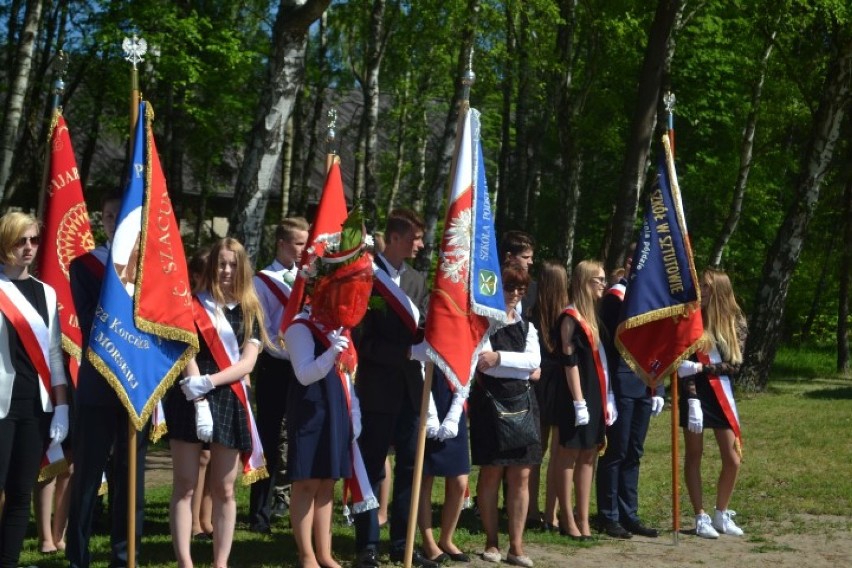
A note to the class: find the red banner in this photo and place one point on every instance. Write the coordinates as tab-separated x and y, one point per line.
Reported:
67	233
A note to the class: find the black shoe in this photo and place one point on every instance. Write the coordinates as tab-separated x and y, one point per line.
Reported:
615	530
260	528
279	509
417	559
367	558
642	530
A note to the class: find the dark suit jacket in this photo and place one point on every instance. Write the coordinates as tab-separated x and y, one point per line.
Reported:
92	388
625	383
385	373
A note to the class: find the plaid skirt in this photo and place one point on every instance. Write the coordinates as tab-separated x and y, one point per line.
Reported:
230	419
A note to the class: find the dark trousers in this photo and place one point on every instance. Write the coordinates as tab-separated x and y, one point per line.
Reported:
271	382
378	432
618	469
23	435
99	431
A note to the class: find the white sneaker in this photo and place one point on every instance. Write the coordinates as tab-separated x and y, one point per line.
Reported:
703	526
723	521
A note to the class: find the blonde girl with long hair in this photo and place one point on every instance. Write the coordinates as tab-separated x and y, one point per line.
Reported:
707	401
206	406
586	405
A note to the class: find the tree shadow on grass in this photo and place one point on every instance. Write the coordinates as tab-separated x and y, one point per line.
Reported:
839	393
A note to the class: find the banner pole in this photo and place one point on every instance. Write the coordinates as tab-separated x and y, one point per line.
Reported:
417	479
60	65
134	49
464	106
675	461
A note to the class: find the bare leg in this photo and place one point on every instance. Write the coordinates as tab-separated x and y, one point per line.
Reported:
303	493
223	470
424	518
730	468
62	501
454	488
198	494
184	477
43	505
694	448
583	474
490	477
384	493
323	511
205	513
517	502
550	493
564	476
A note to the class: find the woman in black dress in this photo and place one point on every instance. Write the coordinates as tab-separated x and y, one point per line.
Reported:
447	456
586	404
551	301
507	363
33	388
210	404
707	401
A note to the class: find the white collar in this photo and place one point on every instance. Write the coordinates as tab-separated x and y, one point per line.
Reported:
393	272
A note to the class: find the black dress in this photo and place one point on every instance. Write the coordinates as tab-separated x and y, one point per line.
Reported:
230	419
449	458
714	416
319	430
483	442
592	434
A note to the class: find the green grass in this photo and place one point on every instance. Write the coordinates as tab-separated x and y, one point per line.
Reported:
796	478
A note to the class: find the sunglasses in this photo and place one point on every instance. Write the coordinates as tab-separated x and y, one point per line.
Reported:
34	241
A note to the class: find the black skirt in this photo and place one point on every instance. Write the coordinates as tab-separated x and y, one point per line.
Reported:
483	440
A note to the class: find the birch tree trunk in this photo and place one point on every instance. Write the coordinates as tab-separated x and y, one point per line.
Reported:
17	92
376	44
783	256
401	134
503	213
746	156
437	189
285	76
845	277
641	131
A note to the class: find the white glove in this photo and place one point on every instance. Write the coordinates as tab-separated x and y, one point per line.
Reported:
450	426
657	405
356	416
689	368
203	421
696	416
611	410
339	342
59	424
432	422
196	386
581	413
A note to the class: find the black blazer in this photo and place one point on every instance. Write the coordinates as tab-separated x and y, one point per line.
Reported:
385	373
625	383
92	388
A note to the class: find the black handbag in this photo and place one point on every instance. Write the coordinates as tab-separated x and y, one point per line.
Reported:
515	421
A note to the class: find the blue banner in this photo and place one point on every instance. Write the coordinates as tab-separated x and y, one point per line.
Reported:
661	314
485	279
139	366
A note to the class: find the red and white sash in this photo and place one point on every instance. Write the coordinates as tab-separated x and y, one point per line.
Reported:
225	349
398	300
35	337
618	290
358	485
721	386
279	289
32	333
597	351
